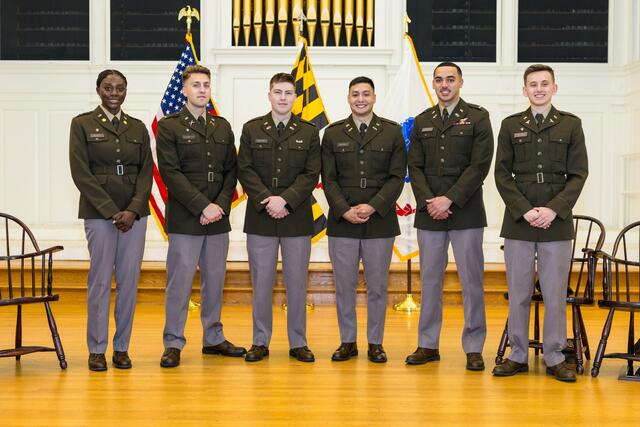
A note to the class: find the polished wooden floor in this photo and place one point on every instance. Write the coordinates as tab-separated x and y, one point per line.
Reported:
212	390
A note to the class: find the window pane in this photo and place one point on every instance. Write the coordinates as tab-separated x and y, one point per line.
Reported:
143	30
44	30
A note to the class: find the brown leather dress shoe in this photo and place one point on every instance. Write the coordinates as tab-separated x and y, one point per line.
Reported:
376	353
509	368
346	351
562	372
170	358
97	362
303	354
256	353
423	355
225	348
475	362
121	360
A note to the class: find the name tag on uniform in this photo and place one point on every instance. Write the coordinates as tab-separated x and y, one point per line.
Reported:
520	134
96	135
299	141
188	137
427	129
346	144
261	141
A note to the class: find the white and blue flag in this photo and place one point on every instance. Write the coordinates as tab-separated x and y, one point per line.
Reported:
407	97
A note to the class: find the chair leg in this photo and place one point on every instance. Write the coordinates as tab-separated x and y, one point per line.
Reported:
56	338
577	338
536	326
19	330
595	370
631	341
504	340
583	333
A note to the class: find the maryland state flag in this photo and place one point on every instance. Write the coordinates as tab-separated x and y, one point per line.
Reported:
309	106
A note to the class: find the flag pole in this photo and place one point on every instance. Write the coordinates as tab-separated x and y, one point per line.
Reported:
408	304
301	18
189	13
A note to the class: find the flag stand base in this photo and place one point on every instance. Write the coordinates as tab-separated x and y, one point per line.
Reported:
310	306
408	305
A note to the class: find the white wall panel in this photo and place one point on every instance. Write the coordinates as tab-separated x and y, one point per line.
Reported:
38	100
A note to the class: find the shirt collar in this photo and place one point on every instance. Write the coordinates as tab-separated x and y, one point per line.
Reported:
450	108
358	122
109	115
544	112
196	116
285	121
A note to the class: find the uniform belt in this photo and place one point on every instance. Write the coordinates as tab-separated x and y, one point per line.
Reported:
214	177
280	182
440	171
360	183
540	177
115	170
210	176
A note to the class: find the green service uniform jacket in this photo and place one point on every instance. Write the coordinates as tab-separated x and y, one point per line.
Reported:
451	159
113	169
287	166
369	169
544	167
198	165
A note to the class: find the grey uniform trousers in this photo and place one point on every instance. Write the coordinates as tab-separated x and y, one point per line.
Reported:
345	254
554	261
112	251
263	261
467	250
185	253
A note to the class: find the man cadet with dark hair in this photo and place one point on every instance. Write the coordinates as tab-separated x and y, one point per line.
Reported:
278	167
197	162
364	164
449	157
541	167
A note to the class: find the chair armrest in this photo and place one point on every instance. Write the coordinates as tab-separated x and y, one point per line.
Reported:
50	250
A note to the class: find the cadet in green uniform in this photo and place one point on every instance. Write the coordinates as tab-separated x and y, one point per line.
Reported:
278	167
197	162
112	167
364	162
541	167
449	157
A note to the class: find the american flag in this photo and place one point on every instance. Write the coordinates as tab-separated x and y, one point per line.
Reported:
172	102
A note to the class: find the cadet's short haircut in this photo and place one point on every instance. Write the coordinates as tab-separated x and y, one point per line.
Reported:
447	64
105	73
362	79
195	69
281	78
538	67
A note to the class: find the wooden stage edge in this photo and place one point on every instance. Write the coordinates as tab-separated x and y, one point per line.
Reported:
70	278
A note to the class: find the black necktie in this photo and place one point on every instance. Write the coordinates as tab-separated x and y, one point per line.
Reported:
280	128
115	122
445	115
363	129
201	121
539	119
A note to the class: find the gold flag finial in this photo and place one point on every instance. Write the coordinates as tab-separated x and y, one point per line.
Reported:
301	18
190	13
406	21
